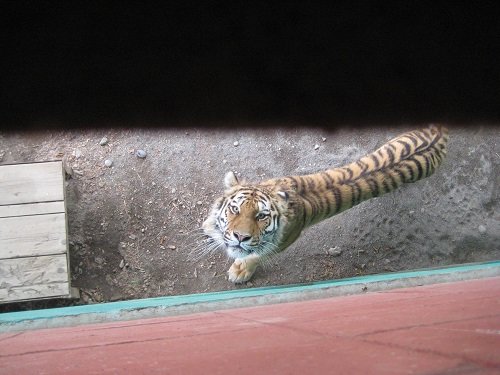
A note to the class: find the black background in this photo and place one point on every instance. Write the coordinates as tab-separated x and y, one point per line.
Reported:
211	62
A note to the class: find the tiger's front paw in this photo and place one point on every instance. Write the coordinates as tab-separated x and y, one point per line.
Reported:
241	270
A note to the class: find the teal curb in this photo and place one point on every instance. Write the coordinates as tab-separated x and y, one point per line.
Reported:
118	308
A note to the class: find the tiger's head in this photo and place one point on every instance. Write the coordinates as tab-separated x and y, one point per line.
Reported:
246	219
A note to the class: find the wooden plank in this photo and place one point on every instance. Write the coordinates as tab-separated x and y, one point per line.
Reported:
33	277
31	183
32	209
33	270
32	235
23	293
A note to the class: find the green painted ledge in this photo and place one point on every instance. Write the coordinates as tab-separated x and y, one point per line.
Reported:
118	310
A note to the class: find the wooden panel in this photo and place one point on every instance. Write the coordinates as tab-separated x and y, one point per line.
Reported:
30	183
33	250
33	277
32	235
32	209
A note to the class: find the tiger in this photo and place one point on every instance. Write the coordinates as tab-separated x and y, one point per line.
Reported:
254	221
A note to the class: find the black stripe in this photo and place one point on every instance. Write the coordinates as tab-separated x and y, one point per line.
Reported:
386	185
419	169
310	204
303	184
338	198
359	188
412	138
273	220
355	194
407	149
362	165
327	201
410	171
438	159
372	183
393	181
322	175
341	178
379	151
320	204
375	160
304	216
377	187
349	172
390	154
225	204
328	180
427	166
311	184
359	192
424	144
434	160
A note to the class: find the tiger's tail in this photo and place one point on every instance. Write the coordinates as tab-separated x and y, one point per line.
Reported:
409	157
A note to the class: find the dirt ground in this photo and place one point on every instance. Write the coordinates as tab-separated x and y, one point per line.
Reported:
134	225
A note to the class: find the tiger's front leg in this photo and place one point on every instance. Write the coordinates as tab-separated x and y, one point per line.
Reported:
243	269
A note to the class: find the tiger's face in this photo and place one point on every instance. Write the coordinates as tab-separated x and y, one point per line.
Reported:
245	221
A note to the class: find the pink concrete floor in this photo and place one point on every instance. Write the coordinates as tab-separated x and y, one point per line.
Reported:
451	328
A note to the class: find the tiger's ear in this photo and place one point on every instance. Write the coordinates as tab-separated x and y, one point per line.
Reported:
230	180
284	195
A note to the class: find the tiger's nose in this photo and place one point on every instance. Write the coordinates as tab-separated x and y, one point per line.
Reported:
242	237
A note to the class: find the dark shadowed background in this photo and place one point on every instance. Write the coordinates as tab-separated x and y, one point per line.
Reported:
101	62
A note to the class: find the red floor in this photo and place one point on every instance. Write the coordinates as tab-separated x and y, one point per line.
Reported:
439	329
